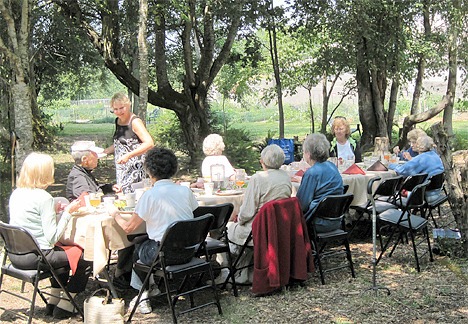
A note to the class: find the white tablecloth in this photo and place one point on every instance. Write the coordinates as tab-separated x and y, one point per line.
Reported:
97	234
236	200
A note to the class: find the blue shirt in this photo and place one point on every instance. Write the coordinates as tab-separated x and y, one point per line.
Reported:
410	151
427	162
320	180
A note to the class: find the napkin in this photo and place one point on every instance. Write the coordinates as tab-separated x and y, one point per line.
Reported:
73	253
354	169
299	173
377	166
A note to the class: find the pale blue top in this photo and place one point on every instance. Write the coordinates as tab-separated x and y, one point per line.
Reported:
427	162
34	210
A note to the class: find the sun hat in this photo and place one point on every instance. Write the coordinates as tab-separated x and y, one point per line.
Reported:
88	146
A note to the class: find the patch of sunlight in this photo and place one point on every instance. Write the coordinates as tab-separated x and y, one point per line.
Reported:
342	320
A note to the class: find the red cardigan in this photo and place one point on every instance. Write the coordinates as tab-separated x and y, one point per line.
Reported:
282	249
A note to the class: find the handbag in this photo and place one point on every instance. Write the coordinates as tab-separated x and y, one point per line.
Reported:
103	309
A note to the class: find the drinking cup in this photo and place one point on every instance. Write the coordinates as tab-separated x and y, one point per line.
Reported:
208	188
108	201
130	199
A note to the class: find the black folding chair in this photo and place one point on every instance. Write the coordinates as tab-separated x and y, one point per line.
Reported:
18	241
404	221
406	186
383	197
437	183
177	264
331	207
218	241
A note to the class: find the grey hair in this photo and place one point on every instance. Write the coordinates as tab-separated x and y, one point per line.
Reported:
424	143
317	146
78	155
414	134
213	145
273	156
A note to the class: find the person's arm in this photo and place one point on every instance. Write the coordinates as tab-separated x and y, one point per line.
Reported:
79	185
306	191
249	205
127	225
146	141
52	229
110	149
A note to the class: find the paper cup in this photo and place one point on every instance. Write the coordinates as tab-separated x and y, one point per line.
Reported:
208	188
130	199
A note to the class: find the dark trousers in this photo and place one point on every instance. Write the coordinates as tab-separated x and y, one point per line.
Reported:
58	259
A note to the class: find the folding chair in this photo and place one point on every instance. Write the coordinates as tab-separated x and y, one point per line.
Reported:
406	186
404	221
331	207
218	241
177	259
19	241
437	184
383	196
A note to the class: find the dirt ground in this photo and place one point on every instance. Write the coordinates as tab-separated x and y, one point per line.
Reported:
438	294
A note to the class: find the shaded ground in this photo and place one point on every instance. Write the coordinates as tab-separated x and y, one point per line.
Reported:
438	294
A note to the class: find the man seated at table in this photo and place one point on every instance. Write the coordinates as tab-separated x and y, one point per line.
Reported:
264	186
160	206
320	180
80	179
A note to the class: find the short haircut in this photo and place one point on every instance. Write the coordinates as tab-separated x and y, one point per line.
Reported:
341	121
213	144
424	143
317	146
273	156
120	97
161	163
78	155
37	171
414	134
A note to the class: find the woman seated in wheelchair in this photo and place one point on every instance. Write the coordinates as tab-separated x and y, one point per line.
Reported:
160	206
264	186
33	208
320	180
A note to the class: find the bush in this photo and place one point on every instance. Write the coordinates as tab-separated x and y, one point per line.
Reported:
241	150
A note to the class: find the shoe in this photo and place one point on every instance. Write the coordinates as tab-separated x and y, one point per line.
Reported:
222	276
154	291
49	309
144	307
60	313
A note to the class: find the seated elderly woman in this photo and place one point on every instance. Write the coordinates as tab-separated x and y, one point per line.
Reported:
213	147
320	180
264	186
412	137
427	161
343	145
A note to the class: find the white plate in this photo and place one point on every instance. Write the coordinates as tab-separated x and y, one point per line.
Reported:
197	189
229	192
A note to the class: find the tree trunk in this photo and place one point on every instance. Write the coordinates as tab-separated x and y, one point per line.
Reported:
325	101
143	59
415	104
21	101
276	71
456	177
366	109
392	106
311	109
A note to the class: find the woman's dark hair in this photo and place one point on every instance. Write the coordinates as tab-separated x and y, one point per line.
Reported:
161	163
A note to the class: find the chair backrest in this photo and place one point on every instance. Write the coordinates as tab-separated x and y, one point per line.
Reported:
182	239
221	213
416	199
18	240
345	188
437	181
412	181
388	187
333	206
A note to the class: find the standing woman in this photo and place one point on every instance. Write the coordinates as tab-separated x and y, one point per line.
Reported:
33	208
131	142
343	145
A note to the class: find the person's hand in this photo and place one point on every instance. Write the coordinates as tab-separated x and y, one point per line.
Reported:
296	179
234	218
123	159
117	188
60	207
111	209
396	149
407	156
72	207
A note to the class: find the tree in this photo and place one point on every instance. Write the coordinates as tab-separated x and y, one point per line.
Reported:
199	34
